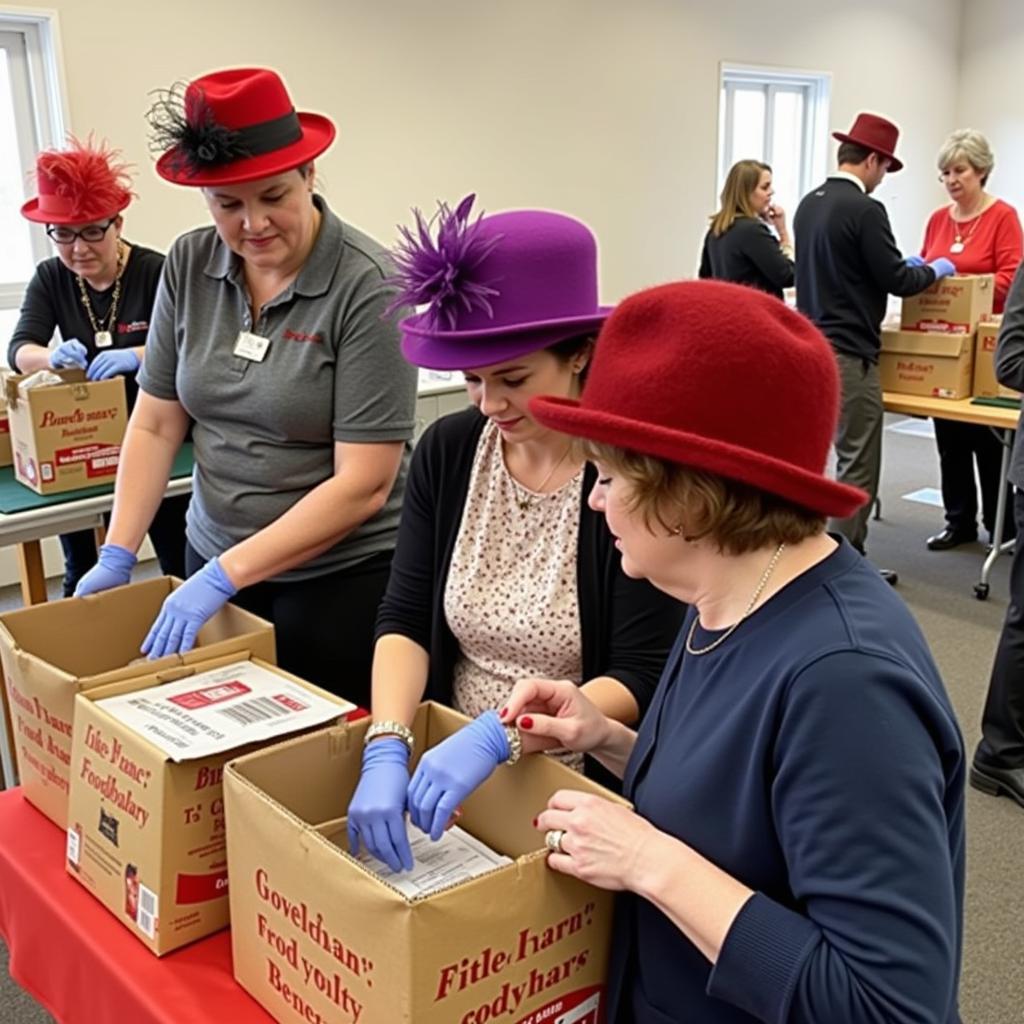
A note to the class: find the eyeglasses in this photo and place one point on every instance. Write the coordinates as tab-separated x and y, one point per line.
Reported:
90	233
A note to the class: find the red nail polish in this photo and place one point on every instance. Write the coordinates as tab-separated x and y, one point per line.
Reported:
503	712
526	722
534	822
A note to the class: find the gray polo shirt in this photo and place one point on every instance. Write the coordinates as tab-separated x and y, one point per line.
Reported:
264	431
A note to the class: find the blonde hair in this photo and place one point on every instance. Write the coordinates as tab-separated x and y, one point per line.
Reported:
973	147
740	182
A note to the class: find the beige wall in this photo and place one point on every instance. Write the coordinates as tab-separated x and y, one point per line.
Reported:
604	109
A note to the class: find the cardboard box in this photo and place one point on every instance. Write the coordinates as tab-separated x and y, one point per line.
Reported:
926	363
50	652
146	829
318	937
985	383
69	436
955	304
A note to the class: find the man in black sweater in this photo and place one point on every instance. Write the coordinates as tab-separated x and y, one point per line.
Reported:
847	263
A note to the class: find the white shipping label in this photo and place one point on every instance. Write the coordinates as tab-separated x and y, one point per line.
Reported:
214	712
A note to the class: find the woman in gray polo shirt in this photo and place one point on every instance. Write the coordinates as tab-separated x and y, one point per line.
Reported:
268	332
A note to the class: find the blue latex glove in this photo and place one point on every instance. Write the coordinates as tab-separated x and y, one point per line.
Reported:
914	261
377	812
187	610
114	569
942	267
69	353
449	772
112	363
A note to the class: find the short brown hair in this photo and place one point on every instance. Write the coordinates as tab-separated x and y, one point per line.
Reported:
852	153
734	516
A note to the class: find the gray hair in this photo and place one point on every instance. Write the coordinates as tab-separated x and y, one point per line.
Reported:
973	147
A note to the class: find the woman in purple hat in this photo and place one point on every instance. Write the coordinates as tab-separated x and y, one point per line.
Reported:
269	333
98	294
796	851
501	572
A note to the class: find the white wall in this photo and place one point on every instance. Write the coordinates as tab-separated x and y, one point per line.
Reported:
603	109
991	84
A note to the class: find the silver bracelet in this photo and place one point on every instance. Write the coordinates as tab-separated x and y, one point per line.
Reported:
515	744
391	728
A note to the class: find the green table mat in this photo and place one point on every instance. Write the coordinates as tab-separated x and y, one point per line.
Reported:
16	497
998	403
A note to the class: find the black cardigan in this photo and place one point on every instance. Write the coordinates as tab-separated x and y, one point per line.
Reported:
627	626
748	253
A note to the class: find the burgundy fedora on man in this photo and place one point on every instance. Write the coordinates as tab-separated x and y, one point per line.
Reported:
874	133
233	126
494	288
718	377
78	185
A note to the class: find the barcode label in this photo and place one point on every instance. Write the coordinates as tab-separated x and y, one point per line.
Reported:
74	846
259	709
148	906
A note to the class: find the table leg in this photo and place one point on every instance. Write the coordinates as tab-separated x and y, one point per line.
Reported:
30	568
981	588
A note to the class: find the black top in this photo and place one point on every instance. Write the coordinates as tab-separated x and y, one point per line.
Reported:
1010	364
847	263
52	300
748	253
627	626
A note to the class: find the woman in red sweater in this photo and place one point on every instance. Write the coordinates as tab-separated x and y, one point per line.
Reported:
981	235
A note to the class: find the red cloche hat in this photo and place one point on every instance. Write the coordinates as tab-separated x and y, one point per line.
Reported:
718	377
874	133
233	126
78	185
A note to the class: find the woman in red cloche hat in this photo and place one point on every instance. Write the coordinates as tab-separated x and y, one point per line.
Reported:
98	293
269	333
796	852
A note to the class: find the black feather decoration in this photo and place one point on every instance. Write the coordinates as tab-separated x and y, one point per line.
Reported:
184	125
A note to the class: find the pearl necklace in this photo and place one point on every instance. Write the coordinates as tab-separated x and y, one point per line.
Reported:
758	591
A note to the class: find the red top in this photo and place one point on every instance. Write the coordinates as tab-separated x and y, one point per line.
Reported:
992	244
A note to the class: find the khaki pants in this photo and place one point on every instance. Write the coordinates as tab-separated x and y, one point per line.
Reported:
858	441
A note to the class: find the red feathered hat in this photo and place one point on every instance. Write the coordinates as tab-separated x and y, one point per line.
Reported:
718	377
233	126
78	185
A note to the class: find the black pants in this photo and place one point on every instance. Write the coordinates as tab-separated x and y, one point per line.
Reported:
323	626
960	445
167	532
1002	724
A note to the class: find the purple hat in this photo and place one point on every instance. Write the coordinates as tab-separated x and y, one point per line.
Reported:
495	288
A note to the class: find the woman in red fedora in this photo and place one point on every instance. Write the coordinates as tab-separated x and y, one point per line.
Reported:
796	852
501	572
269	334
98	292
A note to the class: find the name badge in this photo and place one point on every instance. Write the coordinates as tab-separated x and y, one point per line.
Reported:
103	339
251	346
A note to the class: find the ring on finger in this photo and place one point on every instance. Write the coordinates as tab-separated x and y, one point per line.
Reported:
553	839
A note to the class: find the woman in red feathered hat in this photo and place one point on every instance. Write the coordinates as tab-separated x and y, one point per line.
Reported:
98	293
796	851
269	333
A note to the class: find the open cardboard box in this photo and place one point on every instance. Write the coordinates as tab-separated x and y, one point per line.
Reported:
50	652
316	936
955	304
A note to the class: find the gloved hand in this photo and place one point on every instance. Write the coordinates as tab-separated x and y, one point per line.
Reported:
187	610
114	569
914	261
113	362
942	267
449	772
69	353
377	812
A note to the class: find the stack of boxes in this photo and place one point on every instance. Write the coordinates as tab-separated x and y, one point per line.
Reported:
937	349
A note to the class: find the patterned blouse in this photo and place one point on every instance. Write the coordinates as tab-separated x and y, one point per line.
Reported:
511	598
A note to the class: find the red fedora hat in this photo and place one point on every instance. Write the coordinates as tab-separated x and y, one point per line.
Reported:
874	133
78	185
233	126
718	377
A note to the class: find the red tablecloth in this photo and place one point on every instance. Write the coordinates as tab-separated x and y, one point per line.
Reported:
80	962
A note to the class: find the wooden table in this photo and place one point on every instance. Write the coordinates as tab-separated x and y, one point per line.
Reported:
1002	420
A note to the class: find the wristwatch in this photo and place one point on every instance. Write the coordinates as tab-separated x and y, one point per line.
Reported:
391	728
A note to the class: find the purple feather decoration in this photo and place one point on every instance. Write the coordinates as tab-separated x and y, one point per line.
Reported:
440	273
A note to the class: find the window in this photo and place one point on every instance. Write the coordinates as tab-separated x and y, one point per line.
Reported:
778	117
31	118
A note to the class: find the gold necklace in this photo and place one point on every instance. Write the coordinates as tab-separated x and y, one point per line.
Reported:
758	591
102	338
960	241
526	500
